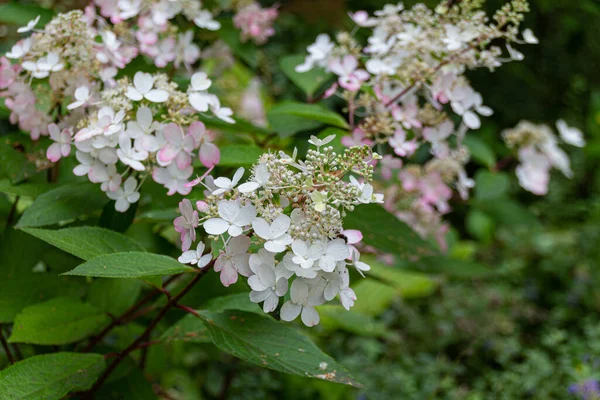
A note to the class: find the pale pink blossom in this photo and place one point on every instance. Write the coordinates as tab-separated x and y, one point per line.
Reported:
209	153
186	224
62	143
350	77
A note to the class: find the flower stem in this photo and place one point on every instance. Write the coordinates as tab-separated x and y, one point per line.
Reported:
146	334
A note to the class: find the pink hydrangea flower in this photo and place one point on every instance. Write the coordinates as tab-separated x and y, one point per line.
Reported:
401	146
177	148
256	23
358	138
62	143
186	224
349	76
209	153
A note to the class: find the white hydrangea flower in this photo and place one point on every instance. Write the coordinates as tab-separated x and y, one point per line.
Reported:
261	178
142	89
196	257
225	184
126	195
234	260
269	282
30	25
303	299
336	250
275	234
570	135
82	95
233	218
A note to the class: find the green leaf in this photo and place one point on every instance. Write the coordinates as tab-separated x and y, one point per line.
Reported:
490	185
272	344
14	165
50	376
337	317
188	329
409	284
114	296
309	81
26	189
86	242
456	268
246	51
291	117
191	328
133	386
115	220
385	232
237	301
131	264
21	14
479	225
508	212
63	204
236	155
241	125
480	151
24	290
373	297
58	321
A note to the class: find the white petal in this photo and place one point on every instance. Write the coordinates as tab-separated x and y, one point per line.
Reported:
280	225
215	226
248	187
157	96
188	257
290	311
133	94
310	316
299	291
235	230
262	228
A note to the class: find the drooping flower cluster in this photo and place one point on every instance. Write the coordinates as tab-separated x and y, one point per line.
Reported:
255	22
405	88
283	227
538	152
152	27
123	130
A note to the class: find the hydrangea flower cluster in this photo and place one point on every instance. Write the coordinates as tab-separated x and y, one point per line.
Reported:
151	24
255	22
123	130
538	152
405	88
283	228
